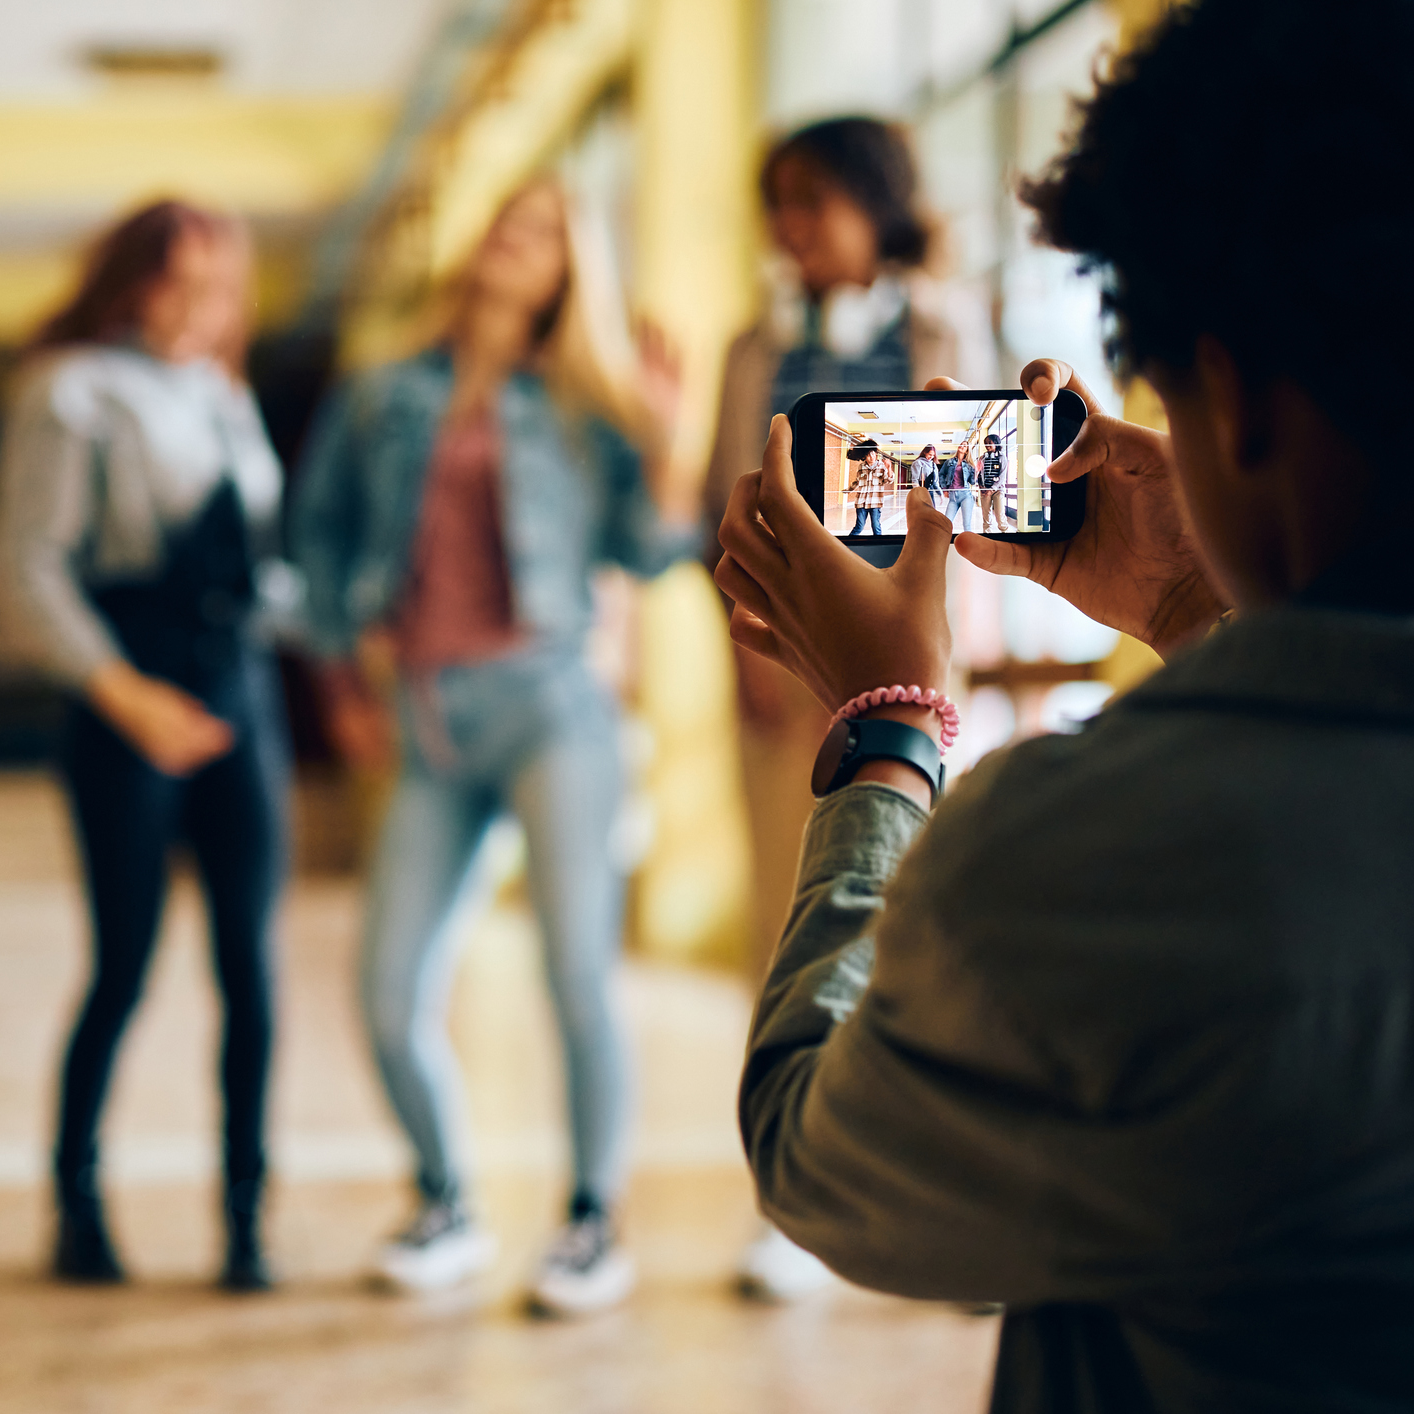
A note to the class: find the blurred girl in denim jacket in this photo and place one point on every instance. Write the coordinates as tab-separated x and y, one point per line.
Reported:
457	504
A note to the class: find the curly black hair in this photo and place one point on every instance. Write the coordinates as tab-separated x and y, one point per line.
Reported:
873	163
1246	173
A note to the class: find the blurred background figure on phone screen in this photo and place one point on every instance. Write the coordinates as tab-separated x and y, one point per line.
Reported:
959	478
991	483
872	481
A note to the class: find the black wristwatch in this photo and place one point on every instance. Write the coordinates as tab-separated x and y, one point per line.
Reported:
849	744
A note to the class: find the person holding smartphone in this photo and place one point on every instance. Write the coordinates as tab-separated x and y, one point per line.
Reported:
1158	1098
871	484
991	483
138	483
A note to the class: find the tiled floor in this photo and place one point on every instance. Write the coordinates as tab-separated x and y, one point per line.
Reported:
324	1342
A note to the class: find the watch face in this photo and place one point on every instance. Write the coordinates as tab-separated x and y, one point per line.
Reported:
839	741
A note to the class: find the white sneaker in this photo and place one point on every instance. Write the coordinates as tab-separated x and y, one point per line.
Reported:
441	1248
585	1270
775	1270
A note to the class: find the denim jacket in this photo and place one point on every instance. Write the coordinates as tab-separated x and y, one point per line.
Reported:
572	497
958	475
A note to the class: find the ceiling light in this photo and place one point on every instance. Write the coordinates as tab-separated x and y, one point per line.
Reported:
154	61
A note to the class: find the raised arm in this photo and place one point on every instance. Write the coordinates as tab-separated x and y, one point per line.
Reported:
634	532
950	1098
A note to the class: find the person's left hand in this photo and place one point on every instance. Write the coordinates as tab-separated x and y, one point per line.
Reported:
806	601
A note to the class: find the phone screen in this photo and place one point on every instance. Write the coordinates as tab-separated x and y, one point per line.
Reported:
982	461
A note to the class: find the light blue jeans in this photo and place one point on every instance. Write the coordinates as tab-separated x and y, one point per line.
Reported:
536	735
962	500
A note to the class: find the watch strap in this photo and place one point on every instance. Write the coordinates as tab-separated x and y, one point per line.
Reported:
851	742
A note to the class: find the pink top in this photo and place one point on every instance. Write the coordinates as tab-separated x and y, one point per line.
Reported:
457	606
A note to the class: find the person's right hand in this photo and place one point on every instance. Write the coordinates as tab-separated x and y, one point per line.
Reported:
167	726
1132	565
359	723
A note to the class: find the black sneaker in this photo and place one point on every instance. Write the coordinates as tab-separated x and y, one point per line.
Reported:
84	1252
245	1268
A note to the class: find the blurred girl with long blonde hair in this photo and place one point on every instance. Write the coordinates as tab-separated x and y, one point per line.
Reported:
458	502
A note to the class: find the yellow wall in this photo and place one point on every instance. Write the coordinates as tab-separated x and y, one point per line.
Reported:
696	133
258	155
523	97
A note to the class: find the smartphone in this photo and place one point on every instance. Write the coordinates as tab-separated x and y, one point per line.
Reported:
857	456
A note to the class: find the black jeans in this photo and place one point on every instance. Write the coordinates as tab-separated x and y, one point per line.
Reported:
128	816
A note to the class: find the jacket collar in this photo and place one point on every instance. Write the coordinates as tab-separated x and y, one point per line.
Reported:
439	359
1295	662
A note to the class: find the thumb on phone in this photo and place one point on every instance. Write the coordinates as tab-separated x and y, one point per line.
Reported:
780	503
1043	379
995	556
923	558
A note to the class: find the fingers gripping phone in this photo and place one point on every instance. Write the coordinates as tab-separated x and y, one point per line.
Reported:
981	457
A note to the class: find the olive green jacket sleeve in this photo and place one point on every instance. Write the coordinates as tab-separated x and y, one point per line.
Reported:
897	1164
818	1094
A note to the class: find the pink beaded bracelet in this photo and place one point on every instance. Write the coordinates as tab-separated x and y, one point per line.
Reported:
943	706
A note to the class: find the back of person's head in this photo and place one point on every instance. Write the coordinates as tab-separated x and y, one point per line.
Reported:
120	271
1199	187
871	162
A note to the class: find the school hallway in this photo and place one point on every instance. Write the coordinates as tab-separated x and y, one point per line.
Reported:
324	1341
